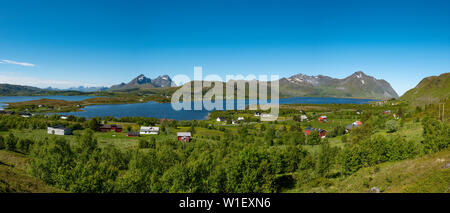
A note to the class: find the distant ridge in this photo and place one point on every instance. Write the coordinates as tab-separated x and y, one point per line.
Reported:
430	90
10	89
80	89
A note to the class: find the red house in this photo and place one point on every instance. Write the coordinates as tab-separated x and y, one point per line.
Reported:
112	127
104	128
322	133
358	123
184	136
323	118
116	128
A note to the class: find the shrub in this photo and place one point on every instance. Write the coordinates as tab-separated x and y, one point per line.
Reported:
10	142
391	126
436	135
2	143
143	144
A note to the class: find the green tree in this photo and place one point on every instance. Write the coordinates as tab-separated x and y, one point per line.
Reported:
87	142
23	145
10	142
391	126
436	135
94	124
2	143
325	158
313	138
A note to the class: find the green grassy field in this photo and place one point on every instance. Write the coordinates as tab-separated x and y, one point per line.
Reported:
14	175
423	174
426	174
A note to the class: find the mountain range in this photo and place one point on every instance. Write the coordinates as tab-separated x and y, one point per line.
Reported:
142	82
80	89
356	85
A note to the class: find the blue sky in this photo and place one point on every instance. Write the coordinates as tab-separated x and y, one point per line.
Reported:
95	43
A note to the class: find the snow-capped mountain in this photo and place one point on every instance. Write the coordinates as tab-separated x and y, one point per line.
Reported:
356	85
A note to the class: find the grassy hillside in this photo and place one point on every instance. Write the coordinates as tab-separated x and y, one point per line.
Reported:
430	90
15	178
427	174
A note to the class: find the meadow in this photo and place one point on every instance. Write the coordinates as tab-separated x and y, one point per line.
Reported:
394	153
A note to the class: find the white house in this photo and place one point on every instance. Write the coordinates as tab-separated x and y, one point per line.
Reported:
240	118
58	130
221	119
149	130
303	118
64	117
25	115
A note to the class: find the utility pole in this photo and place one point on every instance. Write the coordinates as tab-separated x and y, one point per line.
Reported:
439	111
443	111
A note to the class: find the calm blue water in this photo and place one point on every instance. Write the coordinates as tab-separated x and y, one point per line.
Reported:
164	110
8	99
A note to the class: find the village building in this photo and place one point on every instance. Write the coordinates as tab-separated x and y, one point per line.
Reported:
357	123
110	127
133	134
221	119
165	119
25	114
303	118
64	117
2	112
322	133
240	118
58	130
184	136
349	127
257	114
323	118
149	130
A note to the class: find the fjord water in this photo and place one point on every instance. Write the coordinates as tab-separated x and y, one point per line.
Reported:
9	99
164	110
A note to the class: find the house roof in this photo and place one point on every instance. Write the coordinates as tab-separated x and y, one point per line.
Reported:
351	126
357	123
150	128
314	129
59	127
184	134
133	133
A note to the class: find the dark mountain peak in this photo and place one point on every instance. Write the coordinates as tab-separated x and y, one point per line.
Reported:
162	81
140	79
359	74
309	80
